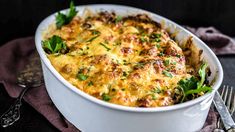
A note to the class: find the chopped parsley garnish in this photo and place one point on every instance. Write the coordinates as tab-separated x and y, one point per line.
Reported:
157	40
106	47
140	65
161	54
174	63
125	62
158	45
90	83
143	39
156	35
106	97
166	73
95	32
117	43
118	19
178	55
166	62
64	19
92	38
154	97
190	86
156	90
124	74
54	44
82	76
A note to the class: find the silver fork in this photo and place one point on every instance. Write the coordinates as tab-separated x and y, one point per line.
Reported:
228	97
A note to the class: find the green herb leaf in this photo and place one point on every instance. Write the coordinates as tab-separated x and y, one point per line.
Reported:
158	35
161	54
106	97
62	19
158	45
174	63
107	48
155	35
82	77
143	39
202	74
157	40
178	55
156	90
90	83
95	32
72	11
125	62
54	44
124	74
192	85
154	97
196	91
140	64
187	84
92	38
118	19
166	62
166	73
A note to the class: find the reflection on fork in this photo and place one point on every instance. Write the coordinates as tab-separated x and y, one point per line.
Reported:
228	97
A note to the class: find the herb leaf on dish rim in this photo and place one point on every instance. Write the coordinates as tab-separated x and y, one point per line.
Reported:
64	19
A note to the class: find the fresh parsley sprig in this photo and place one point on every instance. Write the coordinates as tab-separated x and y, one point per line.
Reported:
193	85
64	19
55	44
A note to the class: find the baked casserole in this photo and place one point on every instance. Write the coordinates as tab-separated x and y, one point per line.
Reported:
126	60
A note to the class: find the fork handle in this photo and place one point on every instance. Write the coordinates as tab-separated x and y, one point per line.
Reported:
218	130
13	113
231	130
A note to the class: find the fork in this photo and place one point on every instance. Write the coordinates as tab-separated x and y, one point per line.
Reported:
229	99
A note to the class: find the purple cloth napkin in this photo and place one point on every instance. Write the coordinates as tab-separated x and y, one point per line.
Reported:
221	44
14	56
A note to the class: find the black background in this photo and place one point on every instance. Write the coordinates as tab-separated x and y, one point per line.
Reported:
20	18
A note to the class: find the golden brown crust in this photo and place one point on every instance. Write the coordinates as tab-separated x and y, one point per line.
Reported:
130	61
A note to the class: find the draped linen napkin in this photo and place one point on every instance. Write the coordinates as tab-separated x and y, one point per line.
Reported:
219	43
15	54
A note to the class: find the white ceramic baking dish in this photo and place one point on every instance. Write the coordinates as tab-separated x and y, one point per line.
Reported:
92	115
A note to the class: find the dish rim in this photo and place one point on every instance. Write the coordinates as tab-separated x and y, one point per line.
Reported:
48	20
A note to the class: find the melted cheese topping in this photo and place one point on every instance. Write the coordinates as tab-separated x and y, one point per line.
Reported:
131	62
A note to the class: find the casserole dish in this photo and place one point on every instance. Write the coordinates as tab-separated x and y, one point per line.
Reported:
89	114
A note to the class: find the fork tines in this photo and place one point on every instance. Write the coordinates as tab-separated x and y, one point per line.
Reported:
228	96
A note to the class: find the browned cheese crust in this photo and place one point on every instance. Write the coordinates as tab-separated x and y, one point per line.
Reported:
130	61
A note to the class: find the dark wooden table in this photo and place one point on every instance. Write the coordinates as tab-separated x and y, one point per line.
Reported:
32	121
